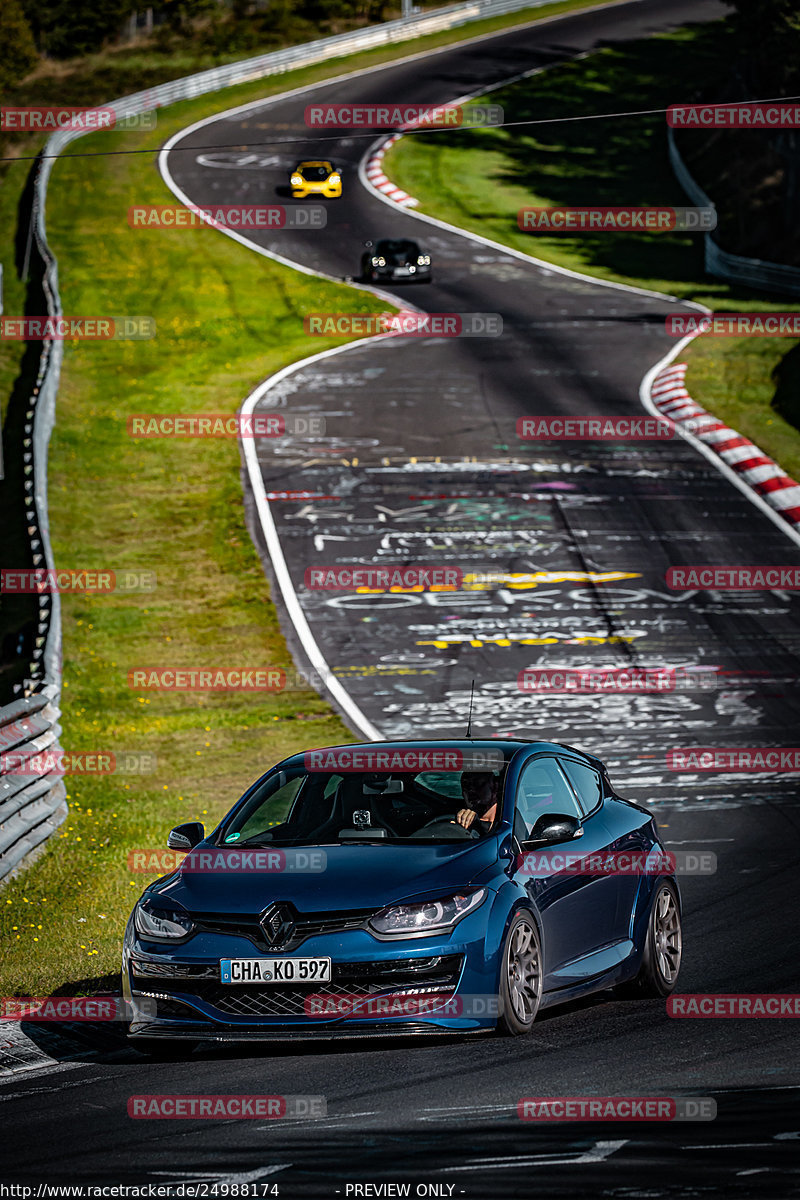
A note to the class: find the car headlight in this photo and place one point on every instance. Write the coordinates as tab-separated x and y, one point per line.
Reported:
379	262
160	924
424	260
334	179
429	917
297	181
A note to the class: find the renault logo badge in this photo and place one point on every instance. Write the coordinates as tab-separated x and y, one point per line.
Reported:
277	924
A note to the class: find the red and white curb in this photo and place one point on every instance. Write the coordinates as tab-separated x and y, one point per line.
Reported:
751	464
380	181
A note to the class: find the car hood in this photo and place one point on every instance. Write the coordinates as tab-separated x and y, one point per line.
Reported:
355	877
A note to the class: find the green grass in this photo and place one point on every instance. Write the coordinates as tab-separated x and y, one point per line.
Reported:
479	179
739	380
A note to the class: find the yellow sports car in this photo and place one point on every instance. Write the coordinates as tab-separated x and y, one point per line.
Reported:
316	179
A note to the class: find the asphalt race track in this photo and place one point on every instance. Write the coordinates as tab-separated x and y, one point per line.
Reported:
437	418
422	457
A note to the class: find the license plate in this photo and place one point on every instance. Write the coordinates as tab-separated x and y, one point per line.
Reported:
275	970
402	271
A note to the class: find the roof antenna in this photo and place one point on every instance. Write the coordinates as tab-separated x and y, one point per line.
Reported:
469	718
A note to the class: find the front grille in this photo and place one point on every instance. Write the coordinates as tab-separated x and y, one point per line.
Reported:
350	981
305	925
279	1002
151	969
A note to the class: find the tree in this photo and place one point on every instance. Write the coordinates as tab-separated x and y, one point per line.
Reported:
181	13
17	48
768	33
63	28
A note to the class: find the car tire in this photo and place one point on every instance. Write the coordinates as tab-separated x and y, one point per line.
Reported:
163	1049
661	961
520	988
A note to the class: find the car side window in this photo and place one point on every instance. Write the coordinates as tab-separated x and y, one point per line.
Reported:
586	781
543	789
520	826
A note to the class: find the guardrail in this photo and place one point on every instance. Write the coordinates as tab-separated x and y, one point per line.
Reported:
32	807
32	800
734	268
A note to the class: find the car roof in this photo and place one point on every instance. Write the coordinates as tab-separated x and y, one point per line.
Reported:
314	162
512	745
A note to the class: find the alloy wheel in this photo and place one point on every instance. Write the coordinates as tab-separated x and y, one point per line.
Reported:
667	936
523	971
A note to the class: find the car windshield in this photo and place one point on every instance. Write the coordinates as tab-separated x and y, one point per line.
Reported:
315	171
398	252
295	807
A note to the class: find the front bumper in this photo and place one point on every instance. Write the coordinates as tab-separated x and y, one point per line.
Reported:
420	274
411	985
180	1031
329	191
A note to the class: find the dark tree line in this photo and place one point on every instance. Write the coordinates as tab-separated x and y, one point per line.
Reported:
768	37
767	31
68	28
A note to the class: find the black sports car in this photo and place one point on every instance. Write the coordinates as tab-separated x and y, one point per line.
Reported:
396	259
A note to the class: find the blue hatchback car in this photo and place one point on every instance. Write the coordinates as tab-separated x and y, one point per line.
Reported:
404	887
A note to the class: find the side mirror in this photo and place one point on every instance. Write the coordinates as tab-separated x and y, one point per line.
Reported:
553	828
186	837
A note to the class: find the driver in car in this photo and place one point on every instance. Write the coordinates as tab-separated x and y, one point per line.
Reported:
480	791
